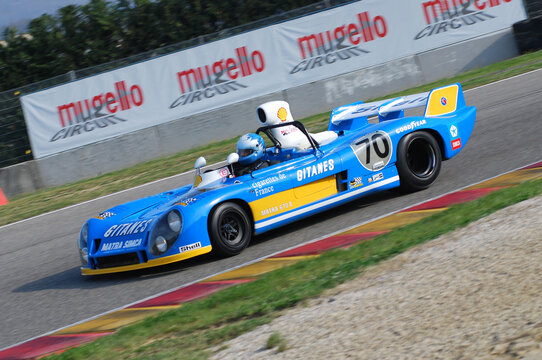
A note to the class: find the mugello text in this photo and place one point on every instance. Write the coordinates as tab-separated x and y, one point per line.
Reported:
221	77
339	44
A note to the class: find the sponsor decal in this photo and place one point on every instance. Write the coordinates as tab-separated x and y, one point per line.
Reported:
97	112
282	114
435	105
453	131
105	214
274	209
356	182
219	78
121	245
263	191
375	177
127	228
187	201
302	194
443	101
378	165
224	172
339	44
456	144
374	150
132	243
412	125
112	246
193	246
289	130
451	15
267	181
317	169
197	180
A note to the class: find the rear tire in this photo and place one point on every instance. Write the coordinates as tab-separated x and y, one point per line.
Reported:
418	161
230	229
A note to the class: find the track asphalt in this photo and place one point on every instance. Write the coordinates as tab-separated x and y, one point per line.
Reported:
41	289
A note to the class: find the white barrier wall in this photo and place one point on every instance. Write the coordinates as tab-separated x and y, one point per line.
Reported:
254	64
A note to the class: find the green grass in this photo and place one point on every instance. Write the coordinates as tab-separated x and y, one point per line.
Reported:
276	340
28	205
190	331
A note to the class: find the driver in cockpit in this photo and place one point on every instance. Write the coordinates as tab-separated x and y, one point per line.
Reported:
252	156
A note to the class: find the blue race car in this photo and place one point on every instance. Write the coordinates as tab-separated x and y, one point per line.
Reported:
367	148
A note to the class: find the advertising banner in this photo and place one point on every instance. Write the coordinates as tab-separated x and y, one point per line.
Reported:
296	52
150	93
372	32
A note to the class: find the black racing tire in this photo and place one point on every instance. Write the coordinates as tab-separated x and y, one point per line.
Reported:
230	229
418	161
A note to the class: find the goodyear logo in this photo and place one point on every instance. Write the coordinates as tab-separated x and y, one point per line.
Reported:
412	125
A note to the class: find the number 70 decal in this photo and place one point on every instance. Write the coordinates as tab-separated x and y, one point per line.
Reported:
374	150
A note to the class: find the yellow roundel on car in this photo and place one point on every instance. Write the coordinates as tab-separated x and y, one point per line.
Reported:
197	180
282	114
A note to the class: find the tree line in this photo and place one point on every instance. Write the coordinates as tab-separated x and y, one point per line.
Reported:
82	36
101	31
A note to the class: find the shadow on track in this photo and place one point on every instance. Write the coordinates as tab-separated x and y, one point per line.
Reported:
72	278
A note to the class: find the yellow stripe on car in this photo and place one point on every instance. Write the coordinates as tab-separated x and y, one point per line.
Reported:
293	198
154	262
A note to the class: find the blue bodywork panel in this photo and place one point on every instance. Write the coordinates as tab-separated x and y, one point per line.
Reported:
299	183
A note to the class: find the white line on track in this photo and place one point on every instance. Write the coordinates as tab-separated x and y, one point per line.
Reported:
499	81
265	257
187	172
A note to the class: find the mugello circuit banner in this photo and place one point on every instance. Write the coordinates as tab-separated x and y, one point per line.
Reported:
256	63
373	32
150	93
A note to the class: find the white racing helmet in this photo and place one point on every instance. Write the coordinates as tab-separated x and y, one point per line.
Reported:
250	148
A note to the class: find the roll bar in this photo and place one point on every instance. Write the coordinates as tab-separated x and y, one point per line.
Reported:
297	124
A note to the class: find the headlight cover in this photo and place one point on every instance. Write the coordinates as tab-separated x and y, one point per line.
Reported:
83	245
165	232
174	221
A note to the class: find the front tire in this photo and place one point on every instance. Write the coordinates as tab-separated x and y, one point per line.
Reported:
230	229
418	161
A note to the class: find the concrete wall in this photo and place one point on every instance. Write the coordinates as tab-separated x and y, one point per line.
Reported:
235	119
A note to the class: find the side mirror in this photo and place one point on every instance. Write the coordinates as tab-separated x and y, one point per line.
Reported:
232	158
200	162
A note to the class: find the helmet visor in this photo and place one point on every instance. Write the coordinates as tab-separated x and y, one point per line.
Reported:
245	152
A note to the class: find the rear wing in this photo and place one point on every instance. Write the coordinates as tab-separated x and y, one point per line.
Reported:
438	102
